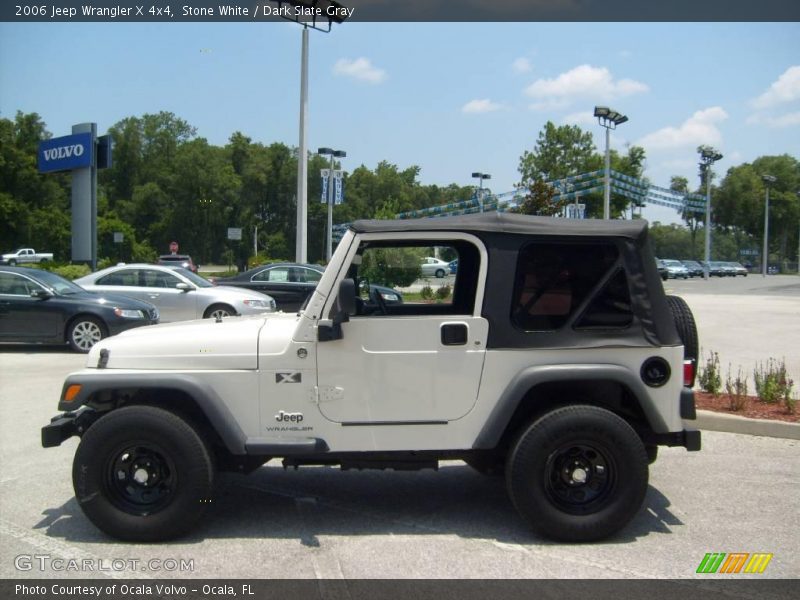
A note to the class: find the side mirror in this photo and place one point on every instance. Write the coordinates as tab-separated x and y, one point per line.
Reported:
184	287
328	331
41	294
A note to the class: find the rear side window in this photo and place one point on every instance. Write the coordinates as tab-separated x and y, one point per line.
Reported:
553	281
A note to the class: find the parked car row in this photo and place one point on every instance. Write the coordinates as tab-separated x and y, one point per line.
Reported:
684	269
42	307
291	284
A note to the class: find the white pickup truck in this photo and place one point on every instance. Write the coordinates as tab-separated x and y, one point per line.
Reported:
26	255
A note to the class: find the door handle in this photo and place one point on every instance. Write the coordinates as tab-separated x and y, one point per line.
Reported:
153	295
454	334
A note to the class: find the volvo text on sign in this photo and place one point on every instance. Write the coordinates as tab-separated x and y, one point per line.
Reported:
66	153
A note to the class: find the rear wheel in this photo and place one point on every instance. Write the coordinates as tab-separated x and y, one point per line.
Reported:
578	474
142	474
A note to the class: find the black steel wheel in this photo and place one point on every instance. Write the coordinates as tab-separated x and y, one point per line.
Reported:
141	479
578	474
143	474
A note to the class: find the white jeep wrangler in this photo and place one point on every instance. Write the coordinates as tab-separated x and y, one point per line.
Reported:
554	358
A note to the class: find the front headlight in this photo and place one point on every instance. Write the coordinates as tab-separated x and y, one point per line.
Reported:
257	303
128	314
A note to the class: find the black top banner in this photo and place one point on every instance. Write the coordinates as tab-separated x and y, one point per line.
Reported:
327	13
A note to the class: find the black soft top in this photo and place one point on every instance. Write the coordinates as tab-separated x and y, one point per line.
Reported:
510	223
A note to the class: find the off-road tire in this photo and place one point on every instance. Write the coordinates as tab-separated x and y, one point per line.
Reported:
577	474
687	329
134	443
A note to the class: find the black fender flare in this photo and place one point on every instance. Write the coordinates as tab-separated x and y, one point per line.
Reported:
528	378
209	402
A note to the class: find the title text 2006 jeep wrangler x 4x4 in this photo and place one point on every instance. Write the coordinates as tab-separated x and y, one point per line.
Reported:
557	360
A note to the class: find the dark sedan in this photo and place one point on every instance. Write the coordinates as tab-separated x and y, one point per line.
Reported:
290	284
42	307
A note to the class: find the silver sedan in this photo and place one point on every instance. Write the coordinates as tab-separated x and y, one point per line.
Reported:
178	293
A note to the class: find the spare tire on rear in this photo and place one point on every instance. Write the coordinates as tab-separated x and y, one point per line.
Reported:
687	329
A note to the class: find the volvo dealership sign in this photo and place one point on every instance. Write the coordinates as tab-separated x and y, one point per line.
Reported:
66	153
81	153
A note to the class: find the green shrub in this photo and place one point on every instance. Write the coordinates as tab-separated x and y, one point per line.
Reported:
443	292
791	403
426	293
72	271
709	377
772	383
737	390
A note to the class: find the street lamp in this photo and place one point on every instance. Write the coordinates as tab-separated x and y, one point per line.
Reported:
306	13
708	156
768	181
481	177
609	119
333	154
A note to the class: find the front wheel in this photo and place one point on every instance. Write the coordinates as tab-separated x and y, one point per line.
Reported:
142	474
84	332
439	273
578	474
218	311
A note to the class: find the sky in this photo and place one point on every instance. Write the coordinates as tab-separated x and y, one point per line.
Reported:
451	98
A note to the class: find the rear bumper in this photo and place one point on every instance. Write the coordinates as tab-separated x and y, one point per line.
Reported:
688	438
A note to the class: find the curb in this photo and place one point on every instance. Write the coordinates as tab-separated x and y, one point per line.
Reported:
713	421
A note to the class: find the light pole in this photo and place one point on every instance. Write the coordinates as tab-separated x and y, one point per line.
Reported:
481	177
708	156
306	13
337	154
609	119
301	242
768	181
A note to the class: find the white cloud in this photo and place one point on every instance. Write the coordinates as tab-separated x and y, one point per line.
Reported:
785	89
579	118
780	122
584	81
483	105
360	69
522	65
698	129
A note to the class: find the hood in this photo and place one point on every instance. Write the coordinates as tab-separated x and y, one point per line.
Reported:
205	344
117	300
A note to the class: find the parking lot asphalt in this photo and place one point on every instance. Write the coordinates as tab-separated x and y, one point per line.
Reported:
739	494
746	320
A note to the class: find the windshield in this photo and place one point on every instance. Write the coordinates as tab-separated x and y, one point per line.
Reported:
195	279
58	284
